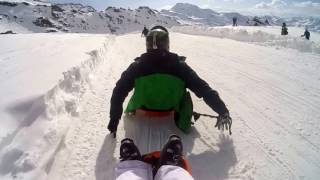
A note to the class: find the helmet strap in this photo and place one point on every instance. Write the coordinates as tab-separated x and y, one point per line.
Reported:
154	45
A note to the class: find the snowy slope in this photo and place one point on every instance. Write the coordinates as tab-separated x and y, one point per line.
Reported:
275	30
187	13
257	36
24	16
192	14
31	2
32	64
272	94
77	18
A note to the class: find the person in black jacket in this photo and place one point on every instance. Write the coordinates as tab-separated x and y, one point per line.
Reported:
284	29
306	34
158	59
144	32
234	21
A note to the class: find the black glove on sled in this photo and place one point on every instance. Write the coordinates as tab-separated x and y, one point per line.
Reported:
224	121
112	126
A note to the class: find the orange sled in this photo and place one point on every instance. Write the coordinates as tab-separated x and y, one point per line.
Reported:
153	159
149	113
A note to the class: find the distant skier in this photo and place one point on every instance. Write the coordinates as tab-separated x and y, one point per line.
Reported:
284	29
306	34
266	22
234	20
169	166
144	31
160	79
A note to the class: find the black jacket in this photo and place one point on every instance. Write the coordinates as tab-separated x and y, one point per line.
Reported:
307	34
167	63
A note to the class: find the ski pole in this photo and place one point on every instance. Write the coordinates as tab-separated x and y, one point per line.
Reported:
197	115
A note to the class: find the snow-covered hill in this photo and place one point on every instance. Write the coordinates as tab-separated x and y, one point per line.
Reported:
22	16
42	17
272	92
191	14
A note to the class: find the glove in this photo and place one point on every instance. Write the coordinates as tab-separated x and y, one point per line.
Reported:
224	121
112	126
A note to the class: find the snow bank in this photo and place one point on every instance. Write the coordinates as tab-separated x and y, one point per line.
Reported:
6	25
257	37
30	2
28	153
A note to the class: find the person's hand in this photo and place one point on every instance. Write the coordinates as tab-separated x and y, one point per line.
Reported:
224	121
112	126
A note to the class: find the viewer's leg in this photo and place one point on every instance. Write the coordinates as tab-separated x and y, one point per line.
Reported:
133	170
171	161
171	172
131	166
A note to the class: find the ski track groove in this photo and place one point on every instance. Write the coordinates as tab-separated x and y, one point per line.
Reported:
288	99
272	157
258	142
262	84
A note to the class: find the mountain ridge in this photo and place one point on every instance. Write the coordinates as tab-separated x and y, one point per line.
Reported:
192	14
39	16
78	18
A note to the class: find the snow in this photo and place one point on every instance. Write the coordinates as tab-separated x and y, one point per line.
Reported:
272	94
35	16
31	2
77	18
191	14
31	64
255	36
13	26
293	31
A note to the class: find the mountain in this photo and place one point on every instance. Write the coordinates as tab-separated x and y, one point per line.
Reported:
312	23
33	16
190	14
39	16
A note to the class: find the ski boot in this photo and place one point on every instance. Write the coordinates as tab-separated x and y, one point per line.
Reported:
129	151
171	153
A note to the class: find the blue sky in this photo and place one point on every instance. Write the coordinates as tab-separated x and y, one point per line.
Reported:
269	7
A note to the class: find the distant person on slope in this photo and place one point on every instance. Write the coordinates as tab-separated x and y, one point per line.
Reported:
234	20
160	79
306	34
266	22
169	167
284	29
144	31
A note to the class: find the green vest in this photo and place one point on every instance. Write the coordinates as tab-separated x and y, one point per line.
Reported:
163	92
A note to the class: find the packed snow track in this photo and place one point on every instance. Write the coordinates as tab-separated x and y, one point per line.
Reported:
272	94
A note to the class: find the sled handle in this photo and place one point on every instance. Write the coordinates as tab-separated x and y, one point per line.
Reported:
197	115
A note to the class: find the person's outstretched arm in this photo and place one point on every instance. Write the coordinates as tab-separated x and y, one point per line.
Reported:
203	90
124	85
210	96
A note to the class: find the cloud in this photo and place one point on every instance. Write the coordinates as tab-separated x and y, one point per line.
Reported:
309	7
286	7
233	1
262	5
307	4
204	6
272	4
167	7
